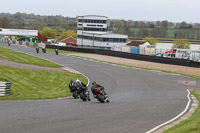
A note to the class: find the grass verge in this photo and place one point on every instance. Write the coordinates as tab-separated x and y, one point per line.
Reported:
3	80
19	57
37	84
192	124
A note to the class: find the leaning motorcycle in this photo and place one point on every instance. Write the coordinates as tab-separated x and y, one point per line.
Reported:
83	92
100	95
75	92
73	89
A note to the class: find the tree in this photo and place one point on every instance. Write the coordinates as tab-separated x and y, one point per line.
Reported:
69	33
143	32
164	24
4	22
151	25
181	43
158	32
48	33
150	40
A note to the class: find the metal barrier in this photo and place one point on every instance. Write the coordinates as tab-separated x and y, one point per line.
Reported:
164	60
5	88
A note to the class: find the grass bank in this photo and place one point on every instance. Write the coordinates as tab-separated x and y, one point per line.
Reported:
37	84
192	124
19	57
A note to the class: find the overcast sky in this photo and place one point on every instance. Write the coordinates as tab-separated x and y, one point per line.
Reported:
145	10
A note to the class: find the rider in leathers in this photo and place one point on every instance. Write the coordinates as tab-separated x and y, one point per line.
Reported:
95	85
72	86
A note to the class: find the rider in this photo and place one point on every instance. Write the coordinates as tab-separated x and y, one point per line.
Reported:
72	86
95	85
78	82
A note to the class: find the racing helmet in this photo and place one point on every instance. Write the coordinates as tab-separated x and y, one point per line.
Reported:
93	83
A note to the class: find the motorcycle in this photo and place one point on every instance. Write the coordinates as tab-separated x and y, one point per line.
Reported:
82	91
75	93
100	95
73	89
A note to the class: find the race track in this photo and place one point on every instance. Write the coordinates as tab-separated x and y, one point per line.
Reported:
139	101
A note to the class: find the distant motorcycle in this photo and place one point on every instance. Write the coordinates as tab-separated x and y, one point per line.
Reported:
100	95
37	50
44	50
56	51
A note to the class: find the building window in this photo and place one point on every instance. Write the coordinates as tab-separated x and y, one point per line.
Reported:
80	20
80	28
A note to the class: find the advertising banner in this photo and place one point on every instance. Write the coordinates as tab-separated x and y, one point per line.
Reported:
20	32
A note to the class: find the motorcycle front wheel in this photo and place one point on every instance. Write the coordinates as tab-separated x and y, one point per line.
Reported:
83	97
100	98
75	95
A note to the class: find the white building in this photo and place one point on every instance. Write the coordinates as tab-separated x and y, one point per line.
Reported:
93	32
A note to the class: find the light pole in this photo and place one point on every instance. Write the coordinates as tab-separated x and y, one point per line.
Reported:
82	36
93	40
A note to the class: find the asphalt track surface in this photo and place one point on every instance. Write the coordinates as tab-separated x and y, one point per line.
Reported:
139	101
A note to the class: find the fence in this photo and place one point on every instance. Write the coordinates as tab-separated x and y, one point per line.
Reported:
173	61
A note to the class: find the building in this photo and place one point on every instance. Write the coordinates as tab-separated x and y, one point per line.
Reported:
93	31
69	40
136	43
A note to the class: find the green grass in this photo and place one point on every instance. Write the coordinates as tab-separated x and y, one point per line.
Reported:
3	80
37	84
191	125
24	58
170	31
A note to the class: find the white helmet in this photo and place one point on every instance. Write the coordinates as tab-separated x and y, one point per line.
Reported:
77	80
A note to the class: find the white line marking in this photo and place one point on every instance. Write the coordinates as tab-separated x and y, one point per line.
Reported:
178	116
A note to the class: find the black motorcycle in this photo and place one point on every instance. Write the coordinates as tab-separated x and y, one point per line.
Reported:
100	95
83	91
74	90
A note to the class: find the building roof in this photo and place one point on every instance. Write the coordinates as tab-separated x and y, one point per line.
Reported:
135	43
64	38
92	16
104	34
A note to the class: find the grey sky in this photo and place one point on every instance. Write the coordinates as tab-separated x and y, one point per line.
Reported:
148	10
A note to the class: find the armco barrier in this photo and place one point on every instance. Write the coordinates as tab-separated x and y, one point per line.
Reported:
5	88
173	61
